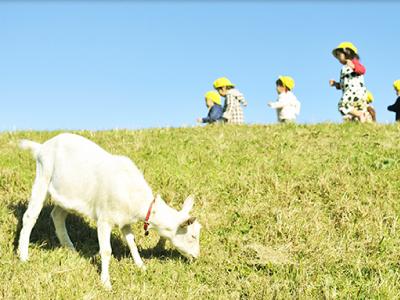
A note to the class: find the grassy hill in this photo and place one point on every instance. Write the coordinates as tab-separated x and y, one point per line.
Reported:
287	211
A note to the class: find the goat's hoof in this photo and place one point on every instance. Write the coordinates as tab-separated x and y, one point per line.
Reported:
23	256
107	285
71	248
23	259
142	268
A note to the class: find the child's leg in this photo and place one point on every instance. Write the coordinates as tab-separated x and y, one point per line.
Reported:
372	112
359	110
345	108
348	118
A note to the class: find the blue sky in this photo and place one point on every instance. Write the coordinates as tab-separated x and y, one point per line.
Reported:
133	64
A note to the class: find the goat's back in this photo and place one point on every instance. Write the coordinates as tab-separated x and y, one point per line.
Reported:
87	179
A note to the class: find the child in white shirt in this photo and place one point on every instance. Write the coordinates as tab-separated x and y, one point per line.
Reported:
287	106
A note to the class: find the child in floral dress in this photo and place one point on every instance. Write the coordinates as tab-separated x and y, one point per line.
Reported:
353	104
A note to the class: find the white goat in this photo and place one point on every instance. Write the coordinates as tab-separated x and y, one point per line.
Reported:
82	177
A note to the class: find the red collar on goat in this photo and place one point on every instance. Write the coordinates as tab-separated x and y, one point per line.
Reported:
146	221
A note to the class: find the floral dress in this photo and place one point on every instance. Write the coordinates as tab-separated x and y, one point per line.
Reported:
354	92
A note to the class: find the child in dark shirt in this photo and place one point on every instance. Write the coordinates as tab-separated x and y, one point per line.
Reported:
215	111
396	106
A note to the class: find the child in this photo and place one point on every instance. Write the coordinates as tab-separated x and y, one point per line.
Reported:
352	105
287	106
371	117
233	112
213	103
396	106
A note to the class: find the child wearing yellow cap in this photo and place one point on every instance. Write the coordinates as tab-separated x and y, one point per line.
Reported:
396	106
287	106
371	117
213	103
352	105
233	112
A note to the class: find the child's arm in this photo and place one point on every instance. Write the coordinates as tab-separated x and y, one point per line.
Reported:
228	111
356	66
242	100
335	84
207	119
239	96
277	104
204	120
283	101
395	107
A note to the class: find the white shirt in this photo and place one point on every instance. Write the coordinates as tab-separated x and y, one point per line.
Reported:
287	106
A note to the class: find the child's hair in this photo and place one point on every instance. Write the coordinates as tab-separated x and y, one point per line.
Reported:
348	53
280	83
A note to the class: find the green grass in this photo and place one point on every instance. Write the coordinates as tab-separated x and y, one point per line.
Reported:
287	211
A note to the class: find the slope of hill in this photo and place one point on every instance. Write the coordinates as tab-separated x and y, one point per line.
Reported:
306	211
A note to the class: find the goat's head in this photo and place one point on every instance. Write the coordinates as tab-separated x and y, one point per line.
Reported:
186	236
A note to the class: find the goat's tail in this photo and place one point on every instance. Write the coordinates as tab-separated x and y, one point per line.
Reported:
30	145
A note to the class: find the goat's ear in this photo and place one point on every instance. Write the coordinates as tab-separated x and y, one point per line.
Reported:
158	198
187	205
187	222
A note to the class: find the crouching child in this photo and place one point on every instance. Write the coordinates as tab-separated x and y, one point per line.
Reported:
215	111
371	116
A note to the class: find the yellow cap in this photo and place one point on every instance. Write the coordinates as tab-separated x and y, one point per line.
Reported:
345	45
396	85
213	96
287	81
370	97
223	81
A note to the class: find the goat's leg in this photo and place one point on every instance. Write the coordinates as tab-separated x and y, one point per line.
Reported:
59	215
130	239
103	234
39	191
